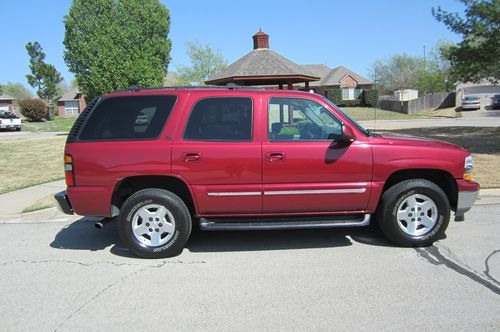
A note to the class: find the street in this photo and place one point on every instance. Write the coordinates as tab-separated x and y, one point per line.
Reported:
59	273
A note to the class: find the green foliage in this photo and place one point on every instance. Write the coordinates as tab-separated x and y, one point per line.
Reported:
397	73
402	71
369	97
476	56
289	131
349	103
335	95
17	90
34	109
205	62
44	76
112	44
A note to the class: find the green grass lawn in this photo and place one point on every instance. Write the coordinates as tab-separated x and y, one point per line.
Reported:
368	113
58	124
25	163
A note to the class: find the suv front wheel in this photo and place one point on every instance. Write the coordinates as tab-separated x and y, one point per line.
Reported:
414	213
154	223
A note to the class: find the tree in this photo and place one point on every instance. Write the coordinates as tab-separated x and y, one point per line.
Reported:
44	76
204	63
402	71
399	72
18	91
112	44
477	56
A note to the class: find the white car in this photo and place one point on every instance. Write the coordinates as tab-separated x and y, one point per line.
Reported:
471	103
9	120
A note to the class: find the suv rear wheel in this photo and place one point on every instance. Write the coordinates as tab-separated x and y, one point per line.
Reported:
414	213
154	223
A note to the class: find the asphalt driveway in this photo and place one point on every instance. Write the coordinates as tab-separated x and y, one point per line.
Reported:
59	273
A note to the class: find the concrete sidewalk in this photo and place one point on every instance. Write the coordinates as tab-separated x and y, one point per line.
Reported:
13	203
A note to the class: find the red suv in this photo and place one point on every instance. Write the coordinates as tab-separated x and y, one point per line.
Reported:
162	160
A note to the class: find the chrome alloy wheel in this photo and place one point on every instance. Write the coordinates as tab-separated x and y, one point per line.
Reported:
417	215
153	225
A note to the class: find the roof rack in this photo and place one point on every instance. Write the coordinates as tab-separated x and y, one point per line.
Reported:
135	88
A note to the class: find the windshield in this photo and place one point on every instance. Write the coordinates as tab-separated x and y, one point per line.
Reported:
365	132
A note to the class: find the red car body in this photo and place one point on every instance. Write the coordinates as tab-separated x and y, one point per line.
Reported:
259	177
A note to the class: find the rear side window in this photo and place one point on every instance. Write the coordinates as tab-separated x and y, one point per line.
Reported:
128	118
227	119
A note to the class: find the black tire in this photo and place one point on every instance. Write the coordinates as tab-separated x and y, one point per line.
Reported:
396	198
18	129
142	201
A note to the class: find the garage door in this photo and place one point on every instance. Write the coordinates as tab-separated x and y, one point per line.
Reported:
483	92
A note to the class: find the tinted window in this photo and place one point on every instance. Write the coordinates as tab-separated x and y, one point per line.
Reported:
128	118
220	119
295	119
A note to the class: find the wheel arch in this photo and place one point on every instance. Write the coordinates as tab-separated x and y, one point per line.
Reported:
130	185
441	178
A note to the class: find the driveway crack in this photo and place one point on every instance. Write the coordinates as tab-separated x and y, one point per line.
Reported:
93	298
435	257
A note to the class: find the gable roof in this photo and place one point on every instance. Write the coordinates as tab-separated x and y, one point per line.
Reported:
332	77
263	62
72	94
4	96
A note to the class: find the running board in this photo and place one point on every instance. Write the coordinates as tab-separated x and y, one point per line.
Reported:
226	224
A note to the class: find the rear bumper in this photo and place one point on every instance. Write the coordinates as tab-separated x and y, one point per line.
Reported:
63	201
467	194
471	106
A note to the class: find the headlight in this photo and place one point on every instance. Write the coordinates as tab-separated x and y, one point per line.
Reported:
468	167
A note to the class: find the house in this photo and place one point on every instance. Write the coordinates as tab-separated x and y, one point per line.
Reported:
71	103
263	66
6	102
484	89
351	83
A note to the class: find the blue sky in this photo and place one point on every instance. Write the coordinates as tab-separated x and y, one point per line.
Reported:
349	33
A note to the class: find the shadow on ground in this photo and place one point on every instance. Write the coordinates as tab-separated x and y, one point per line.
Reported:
475	139
82	235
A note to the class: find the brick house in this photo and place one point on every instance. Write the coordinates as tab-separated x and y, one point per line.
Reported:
71	103
6	102
351	83
265	67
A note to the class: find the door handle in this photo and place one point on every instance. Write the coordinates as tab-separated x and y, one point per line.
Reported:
191	157
275	156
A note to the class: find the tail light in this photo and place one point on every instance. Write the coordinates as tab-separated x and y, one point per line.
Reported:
68	170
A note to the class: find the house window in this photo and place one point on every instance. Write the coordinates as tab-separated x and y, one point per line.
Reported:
71	107
347	93
350	93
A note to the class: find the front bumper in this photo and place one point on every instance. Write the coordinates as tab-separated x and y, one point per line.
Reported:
465	201
63	201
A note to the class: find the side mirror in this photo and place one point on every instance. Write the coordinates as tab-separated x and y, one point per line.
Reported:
345	139
347	134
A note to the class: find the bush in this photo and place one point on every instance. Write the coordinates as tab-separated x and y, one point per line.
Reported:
350	103
369	98
335	95
33	109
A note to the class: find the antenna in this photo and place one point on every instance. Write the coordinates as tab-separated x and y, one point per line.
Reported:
376	103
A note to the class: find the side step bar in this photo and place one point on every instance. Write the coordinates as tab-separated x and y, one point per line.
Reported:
226	224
